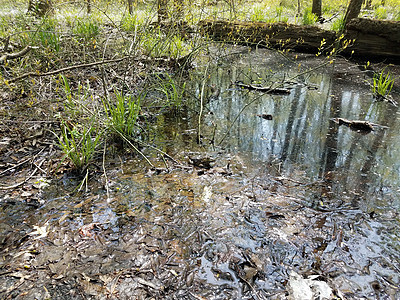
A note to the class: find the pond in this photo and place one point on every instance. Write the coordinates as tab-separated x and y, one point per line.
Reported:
278	202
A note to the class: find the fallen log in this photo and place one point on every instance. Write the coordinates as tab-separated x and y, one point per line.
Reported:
281	35
268	90
373	39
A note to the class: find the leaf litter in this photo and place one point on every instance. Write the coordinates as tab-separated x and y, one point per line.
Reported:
179	234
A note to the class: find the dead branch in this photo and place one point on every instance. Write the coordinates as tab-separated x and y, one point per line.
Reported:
37	74
16	54
268	90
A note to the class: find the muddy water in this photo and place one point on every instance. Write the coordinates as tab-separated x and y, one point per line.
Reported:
290	208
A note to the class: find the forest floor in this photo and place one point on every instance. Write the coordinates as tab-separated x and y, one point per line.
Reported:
214	225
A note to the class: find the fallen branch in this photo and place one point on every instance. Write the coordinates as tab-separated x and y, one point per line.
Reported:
22	182
268	90
16	54
357	125
37	74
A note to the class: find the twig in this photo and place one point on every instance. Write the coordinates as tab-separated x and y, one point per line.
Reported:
16	54
201	105
134	147
162	152
104	171
16	166
36	74
22	182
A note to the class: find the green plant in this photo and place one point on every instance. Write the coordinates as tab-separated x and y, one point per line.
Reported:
308	17
382	84
157	44
258	14
172	91
380	13
338	24
122	116
79	143
87	29
129	22
279	13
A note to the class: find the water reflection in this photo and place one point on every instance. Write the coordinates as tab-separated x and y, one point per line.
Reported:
301	134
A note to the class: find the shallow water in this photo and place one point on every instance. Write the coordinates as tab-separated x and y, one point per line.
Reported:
293	196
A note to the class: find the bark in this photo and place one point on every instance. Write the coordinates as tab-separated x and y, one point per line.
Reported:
88	6
277	35
130	6
373	39
353	10
317	8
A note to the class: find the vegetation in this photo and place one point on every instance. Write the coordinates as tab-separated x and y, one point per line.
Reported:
102	70
382	84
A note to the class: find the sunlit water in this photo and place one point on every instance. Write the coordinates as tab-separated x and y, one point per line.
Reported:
301	194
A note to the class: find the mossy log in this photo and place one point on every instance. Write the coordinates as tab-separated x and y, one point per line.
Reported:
373	38
281	35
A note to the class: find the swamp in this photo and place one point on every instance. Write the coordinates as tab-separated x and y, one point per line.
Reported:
204	150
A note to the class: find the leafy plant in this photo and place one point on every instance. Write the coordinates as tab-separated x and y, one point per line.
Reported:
382	84
338	24
122	116
258	14
87	29
79	143
172	91
48	36
129	22
157	44
308	17
381	13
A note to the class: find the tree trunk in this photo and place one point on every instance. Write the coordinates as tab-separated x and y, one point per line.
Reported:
317	8
162	10
353	10
88	6
130	6
39	8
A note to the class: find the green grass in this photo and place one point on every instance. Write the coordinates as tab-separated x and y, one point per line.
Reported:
122	116
308	17
79	143
338	24
87	28
380	13
382	84
172	91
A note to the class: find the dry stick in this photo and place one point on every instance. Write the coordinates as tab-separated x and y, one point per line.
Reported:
251	102
159	150
15	166
22	182
135	148
36	74
16	54
104	171
201	105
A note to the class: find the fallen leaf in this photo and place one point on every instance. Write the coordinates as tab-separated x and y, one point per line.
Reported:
40	230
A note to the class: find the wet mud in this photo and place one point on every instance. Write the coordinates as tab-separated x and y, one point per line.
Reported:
286	207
